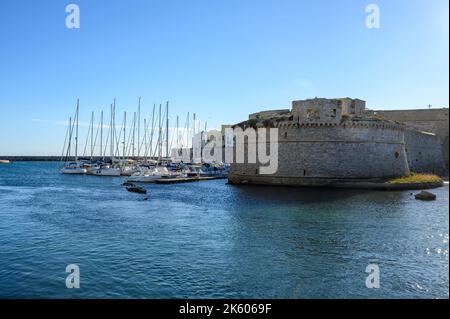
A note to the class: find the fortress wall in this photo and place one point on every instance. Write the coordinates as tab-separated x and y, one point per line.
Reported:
317	154
424	152
428	120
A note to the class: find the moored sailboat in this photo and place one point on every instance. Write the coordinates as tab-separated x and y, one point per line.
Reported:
74	167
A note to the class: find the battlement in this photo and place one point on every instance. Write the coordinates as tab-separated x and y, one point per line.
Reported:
380	124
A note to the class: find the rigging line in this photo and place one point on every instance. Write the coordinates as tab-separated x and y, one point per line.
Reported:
65	141
106	142
157	142
156	149
153	129
133	150
186	131
128	145
163	131
70	136
96	135
185	137
71	125
87	137
144	140
171	142
117	153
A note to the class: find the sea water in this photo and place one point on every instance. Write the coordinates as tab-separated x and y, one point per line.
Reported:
210	239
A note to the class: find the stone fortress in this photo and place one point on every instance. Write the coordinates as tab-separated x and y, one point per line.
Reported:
335	142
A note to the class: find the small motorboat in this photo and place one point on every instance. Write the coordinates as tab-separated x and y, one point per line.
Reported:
128	184
137	189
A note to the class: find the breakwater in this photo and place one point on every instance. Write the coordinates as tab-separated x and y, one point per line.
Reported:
44	158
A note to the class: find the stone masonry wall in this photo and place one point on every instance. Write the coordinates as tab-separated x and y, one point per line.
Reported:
428	120
424	153
316	154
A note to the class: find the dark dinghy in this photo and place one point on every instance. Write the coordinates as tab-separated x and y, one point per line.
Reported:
129	184
136	189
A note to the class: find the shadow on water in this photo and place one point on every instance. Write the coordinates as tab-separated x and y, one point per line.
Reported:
297	194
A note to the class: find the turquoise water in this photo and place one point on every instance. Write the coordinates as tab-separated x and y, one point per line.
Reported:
210	239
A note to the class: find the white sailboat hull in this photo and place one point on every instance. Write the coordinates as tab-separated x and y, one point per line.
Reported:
106	172
128	171
78	170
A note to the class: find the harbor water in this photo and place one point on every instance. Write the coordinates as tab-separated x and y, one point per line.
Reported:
210	239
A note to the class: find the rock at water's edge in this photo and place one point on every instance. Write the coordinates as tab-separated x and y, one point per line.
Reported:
424	195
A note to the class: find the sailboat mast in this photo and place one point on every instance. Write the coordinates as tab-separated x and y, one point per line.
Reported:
187	130
101	134
76	131
69	147
193	133
177	133
159	134
124	132
167	129
114	128
92	135
111	133
139	128
153	130
145	140
134	132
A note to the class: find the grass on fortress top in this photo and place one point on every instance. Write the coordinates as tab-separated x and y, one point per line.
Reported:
416	178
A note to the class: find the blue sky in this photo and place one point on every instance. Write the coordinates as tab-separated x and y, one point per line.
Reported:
221	59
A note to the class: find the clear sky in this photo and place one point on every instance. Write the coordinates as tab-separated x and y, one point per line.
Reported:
221	59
